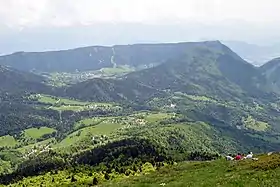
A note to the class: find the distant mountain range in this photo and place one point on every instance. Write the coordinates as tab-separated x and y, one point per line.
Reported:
137	56
203	68
96	57
254	54
192	67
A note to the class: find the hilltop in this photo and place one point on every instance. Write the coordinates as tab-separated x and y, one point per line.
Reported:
264	172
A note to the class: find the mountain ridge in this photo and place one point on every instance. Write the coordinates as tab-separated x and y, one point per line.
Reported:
226	63
13	80
97	57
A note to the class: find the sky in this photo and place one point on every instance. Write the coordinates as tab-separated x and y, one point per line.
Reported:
28	13
35	22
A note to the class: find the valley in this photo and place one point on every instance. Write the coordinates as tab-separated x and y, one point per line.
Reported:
82	118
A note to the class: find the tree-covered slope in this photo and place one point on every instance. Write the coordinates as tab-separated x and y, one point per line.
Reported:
263	172
206	68
271	71
17	81
111	90
209	66
16	113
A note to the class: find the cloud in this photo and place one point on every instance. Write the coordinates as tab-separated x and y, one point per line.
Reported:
22	13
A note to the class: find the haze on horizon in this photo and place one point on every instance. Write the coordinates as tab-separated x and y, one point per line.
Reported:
38	25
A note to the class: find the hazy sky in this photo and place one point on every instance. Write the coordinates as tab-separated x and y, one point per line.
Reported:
54	24
17	13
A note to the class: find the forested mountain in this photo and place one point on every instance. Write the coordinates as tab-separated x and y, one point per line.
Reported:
209	68
97	57
112	90
206	68
16	81
15	113
271	71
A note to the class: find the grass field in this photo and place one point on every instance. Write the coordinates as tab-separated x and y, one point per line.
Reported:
251	123
53	100
47	99
153	117
92	121
195	97
72	108
79	135
7	141
149	117
36	133
63	104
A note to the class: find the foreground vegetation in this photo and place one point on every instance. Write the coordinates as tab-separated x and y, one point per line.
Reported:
264	172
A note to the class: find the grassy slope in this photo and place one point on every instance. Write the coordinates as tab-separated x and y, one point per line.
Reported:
93	127
264	172
25	149
82	134
144	124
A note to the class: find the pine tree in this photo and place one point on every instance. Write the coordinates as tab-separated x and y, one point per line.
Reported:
73	179
107	176
95	181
